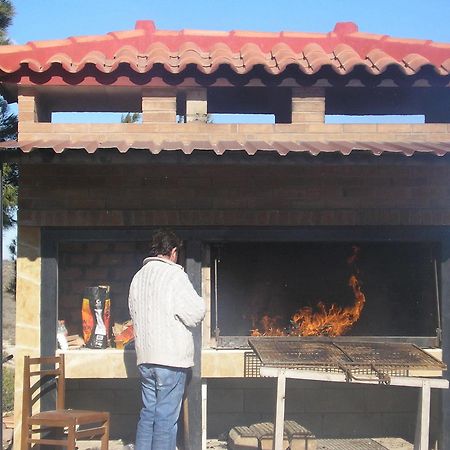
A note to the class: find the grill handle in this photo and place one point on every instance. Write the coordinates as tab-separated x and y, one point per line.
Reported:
383	378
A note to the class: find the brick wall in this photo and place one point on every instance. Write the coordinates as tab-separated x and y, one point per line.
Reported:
106	196
93	264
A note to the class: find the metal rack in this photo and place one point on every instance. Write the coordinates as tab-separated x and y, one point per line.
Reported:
366	363
355	359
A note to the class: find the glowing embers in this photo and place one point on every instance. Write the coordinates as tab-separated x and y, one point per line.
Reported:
321	320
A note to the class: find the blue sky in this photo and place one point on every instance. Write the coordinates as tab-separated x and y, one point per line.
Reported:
53	19
57	19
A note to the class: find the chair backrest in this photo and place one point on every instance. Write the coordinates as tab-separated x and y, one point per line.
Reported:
41	376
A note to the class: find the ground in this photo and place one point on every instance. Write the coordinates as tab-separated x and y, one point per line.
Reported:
9	330
9	306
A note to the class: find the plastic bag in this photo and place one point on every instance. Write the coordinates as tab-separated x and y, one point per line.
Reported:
96	315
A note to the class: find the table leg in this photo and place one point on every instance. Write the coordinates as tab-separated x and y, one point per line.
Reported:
423	418
204	411
279	415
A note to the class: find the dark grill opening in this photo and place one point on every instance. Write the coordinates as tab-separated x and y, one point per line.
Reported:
251	280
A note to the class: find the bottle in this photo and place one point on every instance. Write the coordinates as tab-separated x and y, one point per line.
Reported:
61	335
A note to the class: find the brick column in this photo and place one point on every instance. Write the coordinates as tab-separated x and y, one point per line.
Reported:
196	105
31	110
308	105
28	311
26	111
159	106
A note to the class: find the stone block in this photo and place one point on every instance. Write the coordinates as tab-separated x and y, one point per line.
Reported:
159	104
325	128
264	433
394	128
159	117
308	105
242	438
308	117
222	423
299	437
26	116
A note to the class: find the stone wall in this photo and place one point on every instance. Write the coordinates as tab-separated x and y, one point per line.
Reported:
28	311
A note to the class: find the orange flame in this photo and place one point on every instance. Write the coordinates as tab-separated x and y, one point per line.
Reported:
328	321
269	327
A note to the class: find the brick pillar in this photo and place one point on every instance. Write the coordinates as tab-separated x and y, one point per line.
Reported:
196	105
159	106
31	110
26	111
28	311
308	105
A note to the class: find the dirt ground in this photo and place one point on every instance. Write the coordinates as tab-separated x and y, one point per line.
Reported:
9	306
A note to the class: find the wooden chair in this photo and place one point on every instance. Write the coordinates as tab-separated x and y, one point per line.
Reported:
68	424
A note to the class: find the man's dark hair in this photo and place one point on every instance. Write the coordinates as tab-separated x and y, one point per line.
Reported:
163	241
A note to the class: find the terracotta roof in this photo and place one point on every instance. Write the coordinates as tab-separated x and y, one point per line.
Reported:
249	147
342	49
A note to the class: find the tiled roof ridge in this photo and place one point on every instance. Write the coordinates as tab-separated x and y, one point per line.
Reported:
147	28
343	48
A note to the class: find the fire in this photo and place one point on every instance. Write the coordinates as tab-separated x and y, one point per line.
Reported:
270	327
321	320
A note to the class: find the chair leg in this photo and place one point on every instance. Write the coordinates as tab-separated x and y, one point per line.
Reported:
71	437
105	436
25	434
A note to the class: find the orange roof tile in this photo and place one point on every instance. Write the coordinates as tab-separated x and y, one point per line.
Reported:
342	49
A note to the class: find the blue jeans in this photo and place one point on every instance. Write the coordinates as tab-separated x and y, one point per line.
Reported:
162	391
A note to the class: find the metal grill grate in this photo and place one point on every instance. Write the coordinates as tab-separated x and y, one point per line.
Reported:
392	354
367	358
252	364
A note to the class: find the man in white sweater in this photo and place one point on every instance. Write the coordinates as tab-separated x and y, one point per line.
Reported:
164	307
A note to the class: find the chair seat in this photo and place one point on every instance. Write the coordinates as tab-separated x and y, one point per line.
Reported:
58	427
68	416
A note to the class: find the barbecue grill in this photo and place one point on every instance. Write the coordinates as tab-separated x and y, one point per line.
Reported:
322	359
354	359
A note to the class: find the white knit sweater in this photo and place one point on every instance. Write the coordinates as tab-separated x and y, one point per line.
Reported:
164	307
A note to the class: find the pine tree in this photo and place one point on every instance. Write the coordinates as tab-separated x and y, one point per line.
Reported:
6	15
130	117
8	129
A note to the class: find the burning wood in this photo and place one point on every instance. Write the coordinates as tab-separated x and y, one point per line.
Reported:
321	320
